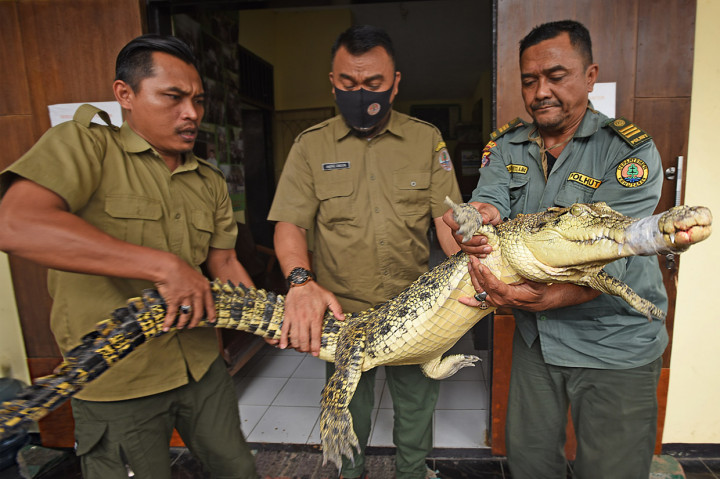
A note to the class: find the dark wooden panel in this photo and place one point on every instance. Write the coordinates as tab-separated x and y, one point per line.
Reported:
612	26
668	121
67	54
665	55
503	329
56	429
17	137
73	60
14	95
662	393
33	303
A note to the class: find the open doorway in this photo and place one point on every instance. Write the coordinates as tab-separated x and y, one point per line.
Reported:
444	50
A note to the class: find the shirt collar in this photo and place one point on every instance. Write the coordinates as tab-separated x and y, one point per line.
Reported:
134	143
589	125
394	126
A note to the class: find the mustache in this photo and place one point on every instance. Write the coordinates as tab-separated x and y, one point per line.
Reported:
187	127
544	104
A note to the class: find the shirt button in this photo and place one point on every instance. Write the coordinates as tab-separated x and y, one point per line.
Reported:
382	242
372	177
543	317
177	216
377	210
413	184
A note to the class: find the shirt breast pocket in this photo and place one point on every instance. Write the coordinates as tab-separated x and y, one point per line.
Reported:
412	192
571	194
135	219
336	202
518	193
203	229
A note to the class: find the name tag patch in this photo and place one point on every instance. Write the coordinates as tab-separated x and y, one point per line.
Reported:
517	169
340	165
584	180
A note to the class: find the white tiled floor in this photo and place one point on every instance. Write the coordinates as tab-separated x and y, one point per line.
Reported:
279	398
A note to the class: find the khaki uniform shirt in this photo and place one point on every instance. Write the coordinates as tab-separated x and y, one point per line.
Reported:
370	203
597	165
114	180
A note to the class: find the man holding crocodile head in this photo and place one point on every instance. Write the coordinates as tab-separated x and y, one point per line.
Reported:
573	346
367	182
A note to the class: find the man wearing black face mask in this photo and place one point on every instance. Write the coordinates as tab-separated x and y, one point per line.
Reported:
367	182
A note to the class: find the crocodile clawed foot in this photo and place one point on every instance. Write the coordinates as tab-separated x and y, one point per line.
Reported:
469	218
337	435
441	368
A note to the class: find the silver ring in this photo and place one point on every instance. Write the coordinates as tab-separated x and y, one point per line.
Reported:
185	309
483	305
481	296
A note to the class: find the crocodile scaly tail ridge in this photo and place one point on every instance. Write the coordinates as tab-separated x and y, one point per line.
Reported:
246	309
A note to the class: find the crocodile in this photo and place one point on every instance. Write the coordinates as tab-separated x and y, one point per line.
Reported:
559	245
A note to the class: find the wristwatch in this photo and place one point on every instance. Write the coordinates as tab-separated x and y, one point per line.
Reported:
299	276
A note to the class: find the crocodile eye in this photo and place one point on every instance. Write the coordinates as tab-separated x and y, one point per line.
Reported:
576	210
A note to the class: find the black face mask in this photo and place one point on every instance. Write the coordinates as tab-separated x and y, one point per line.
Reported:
363	109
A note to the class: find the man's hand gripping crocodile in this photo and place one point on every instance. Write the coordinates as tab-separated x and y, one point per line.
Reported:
417	327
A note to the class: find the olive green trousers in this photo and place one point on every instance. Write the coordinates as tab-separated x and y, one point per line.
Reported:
414	396
115	437
614	413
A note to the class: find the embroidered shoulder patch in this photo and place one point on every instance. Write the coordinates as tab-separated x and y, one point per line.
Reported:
485	160
505	128
584	180
444	159
517	169
632	135
632	172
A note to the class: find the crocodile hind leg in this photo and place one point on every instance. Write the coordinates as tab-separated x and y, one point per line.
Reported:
441	368
336	425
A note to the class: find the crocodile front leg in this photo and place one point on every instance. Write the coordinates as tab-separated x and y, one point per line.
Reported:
441	368
336	424
607	284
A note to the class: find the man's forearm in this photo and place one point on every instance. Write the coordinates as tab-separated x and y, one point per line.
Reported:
291	247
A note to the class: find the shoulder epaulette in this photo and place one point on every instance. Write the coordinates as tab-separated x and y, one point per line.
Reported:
629	132
85	113
317	126
214	168
505	128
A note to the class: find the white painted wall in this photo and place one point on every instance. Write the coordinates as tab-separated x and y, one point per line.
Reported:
13	361
693	415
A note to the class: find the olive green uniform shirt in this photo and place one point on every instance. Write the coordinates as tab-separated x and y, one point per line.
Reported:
114	180
597	165
369	203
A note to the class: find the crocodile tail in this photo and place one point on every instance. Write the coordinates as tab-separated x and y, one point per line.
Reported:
252	310
238	307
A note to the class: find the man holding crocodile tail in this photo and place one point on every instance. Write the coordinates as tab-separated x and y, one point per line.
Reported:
111	211
573	346
367	182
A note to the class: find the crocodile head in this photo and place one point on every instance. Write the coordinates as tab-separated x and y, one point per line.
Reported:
592	234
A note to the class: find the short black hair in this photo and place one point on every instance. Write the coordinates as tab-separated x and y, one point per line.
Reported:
579	37
360	39
134	62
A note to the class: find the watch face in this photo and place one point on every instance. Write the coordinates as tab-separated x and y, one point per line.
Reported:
299	276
